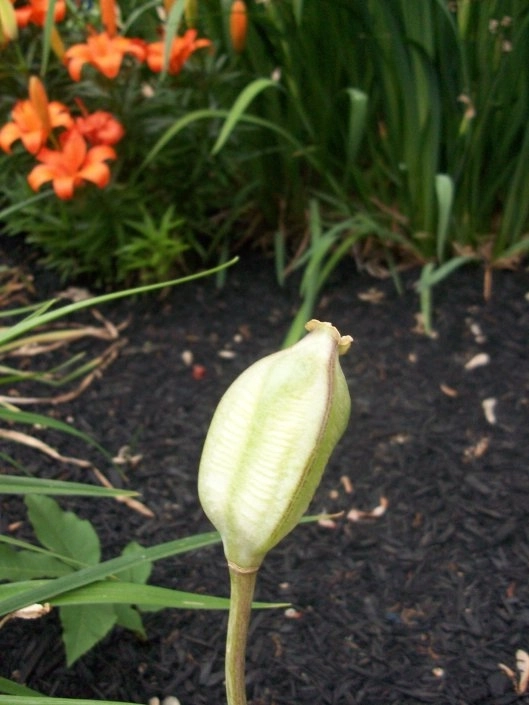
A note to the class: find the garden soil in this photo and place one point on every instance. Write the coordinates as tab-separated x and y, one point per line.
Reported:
418	592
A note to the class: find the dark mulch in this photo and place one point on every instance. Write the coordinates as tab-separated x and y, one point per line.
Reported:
419	605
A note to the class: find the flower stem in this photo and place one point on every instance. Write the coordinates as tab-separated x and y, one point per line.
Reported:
242	584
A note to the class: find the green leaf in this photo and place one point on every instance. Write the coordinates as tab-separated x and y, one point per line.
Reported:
85	576
43	700
243	100
34	320
83	626
356	127
26	417
13	484
115	592
25	565
139	573
12	688
148	596
173	130
63	532
46	43
129	618
171	29
444	189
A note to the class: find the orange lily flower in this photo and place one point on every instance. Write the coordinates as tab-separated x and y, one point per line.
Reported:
28	125
104	52
69	167
181	50
35	12
100	127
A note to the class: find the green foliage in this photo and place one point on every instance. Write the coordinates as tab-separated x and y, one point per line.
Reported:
156	249
42	700
30	326
117	231
412	113
83	586
323	253
64	570
13	484
92	596
406	114
70	542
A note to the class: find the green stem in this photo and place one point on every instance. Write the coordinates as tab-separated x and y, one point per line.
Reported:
242	589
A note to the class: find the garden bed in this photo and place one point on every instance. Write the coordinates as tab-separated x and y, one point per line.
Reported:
417	604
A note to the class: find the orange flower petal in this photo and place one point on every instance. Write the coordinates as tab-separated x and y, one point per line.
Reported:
67	168
9	133
33	140
64	187
109	65
100	153
36	10
74	150
60	115
23	15
32	122
98	173
40	175
181	49
104	53
75	67
100	127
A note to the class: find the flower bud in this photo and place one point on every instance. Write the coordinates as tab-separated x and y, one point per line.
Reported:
238	25
39	100
8	22
191	13
269	441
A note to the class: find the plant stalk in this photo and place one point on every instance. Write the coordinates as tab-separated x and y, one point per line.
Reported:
242	586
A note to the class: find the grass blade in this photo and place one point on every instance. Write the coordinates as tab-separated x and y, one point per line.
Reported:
12	688
13	484
91	574
31	322
238	108
108	592
444	189
26	417
43	700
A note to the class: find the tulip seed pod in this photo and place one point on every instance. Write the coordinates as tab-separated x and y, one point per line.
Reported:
269	441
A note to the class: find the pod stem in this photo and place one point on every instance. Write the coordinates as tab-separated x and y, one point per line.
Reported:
242	586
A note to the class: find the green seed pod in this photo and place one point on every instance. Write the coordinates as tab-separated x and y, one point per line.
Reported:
269	441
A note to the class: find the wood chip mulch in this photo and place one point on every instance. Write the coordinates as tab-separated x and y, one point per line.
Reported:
414	595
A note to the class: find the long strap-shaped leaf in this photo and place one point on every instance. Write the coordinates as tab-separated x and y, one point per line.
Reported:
108	592
85	576
15	484
51	315
43	700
